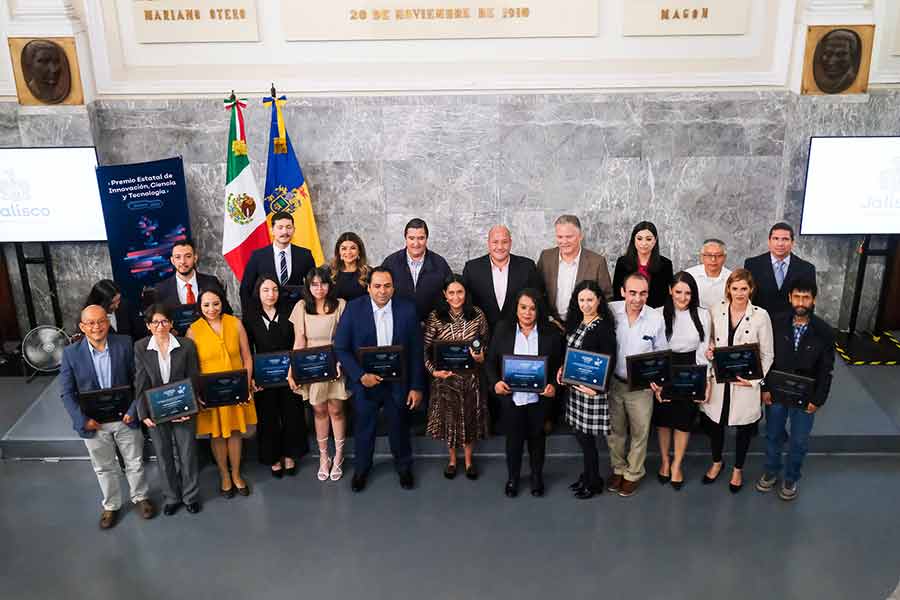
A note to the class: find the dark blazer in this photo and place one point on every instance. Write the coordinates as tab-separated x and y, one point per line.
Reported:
77	375
279	336
167	290
659	280
128	321
767	295
479	284
184	365
262	261
601	337
550	344
814	356
590	266
428	290
356	329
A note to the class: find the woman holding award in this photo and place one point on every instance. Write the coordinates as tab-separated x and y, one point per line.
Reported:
529	333
457	413
349	267
590	327
160	359
736	321
282	428
688	331
315	320
222	346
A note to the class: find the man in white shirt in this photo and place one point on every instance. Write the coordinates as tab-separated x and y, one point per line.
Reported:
186	285
639	329
711	274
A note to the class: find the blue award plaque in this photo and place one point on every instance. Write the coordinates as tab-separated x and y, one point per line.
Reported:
270	369
385	361
688	382
453	356
310	365
224	388
106	405
731	362
182	317
171	401
647	368
590	369
789	389
525	373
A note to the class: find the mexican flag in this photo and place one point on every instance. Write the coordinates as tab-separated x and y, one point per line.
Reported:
245	220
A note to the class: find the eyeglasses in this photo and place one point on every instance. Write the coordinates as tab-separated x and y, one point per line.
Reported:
713	256
160	323
318	284
97	323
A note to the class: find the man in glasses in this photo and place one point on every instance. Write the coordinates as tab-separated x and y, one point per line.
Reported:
711	274
101	361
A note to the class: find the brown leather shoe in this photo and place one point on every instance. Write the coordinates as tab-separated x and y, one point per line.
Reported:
614	482
146	509
628	488
108	519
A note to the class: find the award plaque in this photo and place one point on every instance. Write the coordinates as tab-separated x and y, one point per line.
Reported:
171	401
589	369
106	405
182	317
790	389
385	361
731	362
453	356
224	388
688	382
525	373
270	369
310	365
651	367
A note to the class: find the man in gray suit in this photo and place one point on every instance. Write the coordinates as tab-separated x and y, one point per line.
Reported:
568	264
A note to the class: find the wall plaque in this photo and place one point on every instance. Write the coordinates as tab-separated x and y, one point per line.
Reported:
171	21
686	17
837	59
46	71
438	19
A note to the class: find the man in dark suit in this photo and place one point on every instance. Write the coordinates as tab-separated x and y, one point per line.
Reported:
287	262
381	319
418	273
774	271
187	283
804	345
100	361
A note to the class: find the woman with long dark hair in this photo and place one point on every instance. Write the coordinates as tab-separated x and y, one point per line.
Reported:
122	319
642	256
349	267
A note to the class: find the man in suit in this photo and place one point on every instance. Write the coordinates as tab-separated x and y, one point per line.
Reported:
100	361
284	260
187	283
774	271
804	345
418	273
381	319
565	266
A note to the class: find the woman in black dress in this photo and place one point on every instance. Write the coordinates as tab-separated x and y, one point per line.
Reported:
282	427
349	267
642	256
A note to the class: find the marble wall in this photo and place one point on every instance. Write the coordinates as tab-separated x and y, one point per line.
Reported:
723	164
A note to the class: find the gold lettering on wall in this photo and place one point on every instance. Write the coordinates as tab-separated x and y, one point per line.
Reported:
686	17
684	13
161	21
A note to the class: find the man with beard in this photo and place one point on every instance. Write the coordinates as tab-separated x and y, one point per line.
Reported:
186	285
804	345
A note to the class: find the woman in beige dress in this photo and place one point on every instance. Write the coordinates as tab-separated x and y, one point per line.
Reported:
315	320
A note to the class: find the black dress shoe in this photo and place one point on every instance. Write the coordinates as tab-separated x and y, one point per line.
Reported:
512	489
537	486
358	483
472	472
450	472
278	474
193	508
407	481
578	485
586	493
171	509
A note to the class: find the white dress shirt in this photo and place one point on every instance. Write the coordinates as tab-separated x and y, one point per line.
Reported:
165	362
565	283
182	288
712	289
529	346
415	267
113	322
384	323
287	258
685	337
647	334
500	276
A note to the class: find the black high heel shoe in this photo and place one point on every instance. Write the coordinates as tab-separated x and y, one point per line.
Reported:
663	479
709	480
734	489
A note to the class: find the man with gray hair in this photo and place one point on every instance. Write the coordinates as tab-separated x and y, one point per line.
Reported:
711	274
568	264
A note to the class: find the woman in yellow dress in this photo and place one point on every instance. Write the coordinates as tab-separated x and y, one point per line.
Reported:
222	346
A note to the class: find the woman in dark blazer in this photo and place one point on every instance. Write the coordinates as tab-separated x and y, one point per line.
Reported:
642	256
524	413
159	359
282	427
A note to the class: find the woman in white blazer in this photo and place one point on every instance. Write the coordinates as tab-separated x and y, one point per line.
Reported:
736	321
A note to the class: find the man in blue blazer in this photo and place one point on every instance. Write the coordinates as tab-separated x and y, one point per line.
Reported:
100	361
380	319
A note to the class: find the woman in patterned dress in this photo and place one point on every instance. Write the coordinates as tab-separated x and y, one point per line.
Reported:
458	413
589	326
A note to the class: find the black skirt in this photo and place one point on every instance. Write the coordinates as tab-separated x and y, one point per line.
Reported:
677	414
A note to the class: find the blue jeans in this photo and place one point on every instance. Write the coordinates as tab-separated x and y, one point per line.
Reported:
777	416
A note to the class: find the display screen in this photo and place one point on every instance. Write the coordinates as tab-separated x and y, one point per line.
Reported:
852	186
49	195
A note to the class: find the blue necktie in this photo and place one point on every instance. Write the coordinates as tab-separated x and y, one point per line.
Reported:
283	273
779	273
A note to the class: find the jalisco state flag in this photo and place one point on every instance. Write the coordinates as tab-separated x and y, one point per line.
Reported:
245	220
286	189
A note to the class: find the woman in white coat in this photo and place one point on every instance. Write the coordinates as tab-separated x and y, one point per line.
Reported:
736	321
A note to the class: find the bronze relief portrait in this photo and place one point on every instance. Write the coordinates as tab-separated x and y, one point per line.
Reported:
837	59
46	70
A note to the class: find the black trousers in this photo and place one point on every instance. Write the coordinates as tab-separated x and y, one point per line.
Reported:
521	424
591	474
716	433
281	425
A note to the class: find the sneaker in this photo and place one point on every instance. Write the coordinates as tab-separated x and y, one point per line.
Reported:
766	483
789	490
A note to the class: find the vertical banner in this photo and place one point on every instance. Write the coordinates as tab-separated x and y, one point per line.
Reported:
145	209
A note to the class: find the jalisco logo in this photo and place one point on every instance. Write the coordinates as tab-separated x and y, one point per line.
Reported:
283	201
240	208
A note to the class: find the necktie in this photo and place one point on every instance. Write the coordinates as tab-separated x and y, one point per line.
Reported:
779	273
283	273
189	297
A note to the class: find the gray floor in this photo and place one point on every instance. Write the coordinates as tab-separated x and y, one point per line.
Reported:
297	538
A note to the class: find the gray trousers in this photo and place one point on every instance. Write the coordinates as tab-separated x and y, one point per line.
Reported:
102	448
176	443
